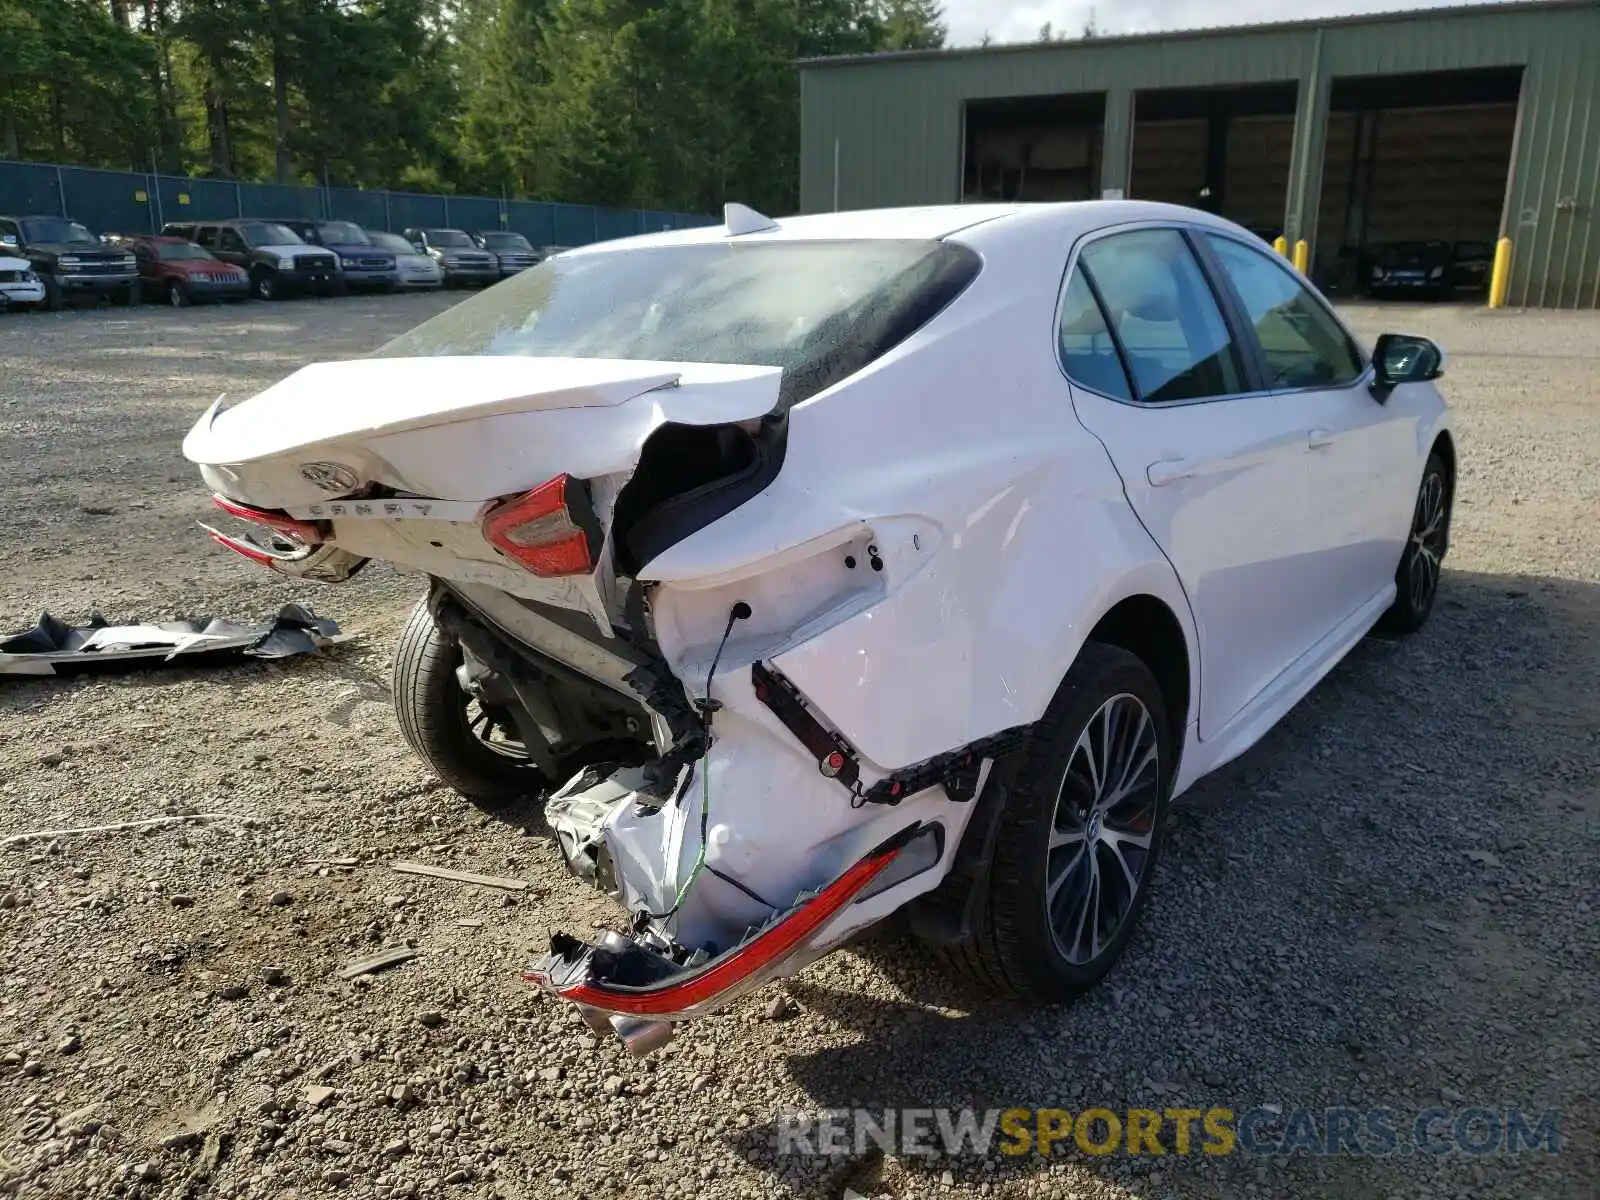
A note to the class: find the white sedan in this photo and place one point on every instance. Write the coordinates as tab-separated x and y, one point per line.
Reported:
822	568
20	287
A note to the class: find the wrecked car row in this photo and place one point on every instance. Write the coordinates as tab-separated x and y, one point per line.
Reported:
817	570
47	262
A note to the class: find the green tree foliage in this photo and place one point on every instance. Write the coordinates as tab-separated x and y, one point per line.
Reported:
679	104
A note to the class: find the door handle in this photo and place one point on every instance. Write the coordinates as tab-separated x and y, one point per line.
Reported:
1318	439
1168	470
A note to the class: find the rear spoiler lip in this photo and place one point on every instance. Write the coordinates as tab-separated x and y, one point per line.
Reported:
690	992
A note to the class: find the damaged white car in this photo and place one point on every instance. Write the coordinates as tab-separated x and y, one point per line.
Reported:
823	568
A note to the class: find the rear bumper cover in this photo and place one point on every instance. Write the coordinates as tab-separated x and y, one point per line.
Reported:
626	978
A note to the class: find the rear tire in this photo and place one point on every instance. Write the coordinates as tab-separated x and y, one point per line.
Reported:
432	711
1028	940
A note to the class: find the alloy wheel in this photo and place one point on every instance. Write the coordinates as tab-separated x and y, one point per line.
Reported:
1427	542
492	727
1103	830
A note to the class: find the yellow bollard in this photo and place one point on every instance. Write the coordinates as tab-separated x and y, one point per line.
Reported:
1500	276
1302	255
1281	245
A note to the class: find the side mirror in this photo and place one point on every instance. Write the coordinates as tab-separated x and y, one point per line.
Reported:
1404	358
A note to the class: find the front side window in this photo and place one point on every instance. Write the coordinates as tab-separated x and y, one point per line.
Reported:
819	310
1301	344
1088	353
232	241
1172	331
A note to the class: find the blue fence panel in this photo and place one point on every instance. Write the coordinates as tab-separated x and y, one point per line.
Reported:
280	200
367	209
408	210
28	189
195	200
473	213
110	200
616	223
106	200
533	220
574	224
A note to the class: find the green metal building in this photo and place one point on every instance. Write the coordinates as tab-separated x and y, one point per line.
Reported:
1458	124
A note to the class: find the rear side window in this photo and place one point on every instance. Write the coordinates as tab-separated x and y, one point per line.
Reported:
1172	332
819	310
1088	353
1301	344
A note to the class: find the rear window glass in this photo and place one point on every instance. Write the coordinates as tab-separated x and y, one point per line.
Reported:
819	310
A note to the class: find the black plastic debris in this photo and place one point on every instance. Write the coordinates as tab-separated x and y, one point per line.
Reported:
52	647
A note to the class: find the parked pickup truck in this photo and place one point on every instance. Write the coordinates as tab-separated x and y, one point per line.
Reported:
277	260
363	265
70	260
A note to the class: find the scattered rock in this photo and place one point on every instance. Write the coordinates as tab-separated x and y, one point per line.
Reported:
430	1019
1484	858
71	1044
320	1096
280	899
180	900
274	976
232	991
398	1148
781	1008
614	1085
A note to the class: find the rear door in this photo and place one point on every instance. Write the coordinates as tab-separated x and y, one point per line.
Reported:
1213	464
1361	462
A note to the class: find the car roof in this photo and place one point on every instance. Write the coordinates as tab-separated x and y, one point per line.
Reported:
969	222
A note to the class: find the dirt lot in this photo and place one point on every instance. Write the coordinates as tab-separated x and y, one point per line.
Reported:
1393	902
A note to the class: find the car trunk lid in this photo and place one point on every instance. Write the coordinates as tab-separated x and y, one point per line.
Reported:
402	459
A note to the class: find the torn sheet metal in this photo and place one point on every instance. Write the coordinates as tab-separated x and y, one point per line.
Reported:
52	647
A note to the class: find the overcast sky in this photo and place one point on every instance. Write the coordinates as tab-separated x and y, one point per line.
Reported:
1019	20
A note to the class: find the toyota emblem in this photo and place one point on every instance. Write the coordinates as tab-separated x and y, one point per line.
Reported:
329	476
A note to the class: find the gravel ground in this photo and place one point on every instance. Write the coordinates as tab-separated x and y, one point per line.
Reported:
1391	902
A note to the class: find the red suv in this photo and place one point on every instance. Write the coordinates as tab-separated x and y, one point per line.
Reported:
182	272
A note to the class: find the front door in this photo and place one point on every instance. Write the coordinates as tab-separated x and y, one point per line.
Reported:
1360	454
1215	470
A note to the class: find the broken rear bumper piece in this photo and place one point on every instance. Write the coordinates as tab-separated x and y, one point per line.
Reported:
636	989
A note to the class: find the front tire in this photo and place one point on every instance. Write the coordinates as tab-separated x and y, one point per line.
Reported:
54	300
433	713
176	295
265	284
1080	835
1416	579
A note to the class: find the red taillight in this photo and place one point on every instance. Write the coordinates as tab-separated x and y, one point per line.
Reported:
301	531
763	951
551	530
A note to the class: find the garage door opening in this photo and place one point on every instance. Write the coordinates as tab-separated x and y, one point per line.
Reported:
1033	148
1223	149
1414	183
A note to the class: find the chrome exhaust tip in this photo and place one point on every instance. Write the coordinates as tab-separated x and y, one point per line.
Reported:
640	1036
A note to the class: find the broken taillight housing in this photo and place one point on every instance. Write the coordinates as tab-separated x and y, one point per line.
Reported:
551	531
275	537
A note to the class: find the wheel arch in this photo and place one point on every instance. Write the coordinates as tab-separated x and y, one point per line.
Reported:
1146	627
1444	445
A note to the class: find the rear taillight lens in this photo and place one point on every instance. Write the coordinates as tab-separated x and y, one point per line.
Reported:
551	531
276	539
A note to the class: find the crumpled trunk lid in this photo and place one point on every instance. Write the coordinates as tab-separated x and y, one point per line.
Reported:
402	457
